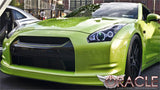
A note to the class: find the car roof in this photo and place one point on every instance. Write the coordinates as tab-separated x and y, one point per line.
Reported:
3	5
130	3
124	2
21	11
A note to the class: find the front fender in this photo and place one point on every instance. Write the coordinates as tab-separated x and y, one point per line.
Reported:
120	44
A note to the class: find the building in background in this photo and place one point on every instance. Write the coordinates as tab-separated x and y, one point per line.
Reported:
18	3
54	8
153	5
77	3
36	6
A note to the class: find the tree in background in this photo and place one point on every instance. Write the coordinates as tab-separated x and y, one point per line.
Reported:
17	3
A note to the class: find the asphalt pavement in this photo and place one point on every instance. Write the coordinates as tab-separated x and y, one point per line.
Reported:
12	82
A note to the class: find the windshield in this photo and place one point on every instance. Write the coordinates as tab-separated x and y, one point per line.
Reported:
125	10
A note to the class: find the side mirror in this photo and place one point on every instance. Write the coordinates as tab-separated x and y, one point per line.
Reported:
153	17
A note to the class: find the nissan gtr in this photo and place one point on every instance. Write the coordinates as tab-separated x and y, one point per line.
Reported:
97	39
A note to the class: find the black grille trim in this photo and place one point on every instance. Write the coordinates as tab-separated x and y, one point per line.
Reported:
43	40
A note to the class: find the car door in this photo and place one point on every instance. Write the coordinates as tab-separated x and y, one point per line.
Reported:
152	36
6	21
3	19
153	43
3	26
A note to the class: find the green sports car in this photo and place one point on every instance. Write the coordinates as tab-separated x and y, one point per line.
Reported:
105	39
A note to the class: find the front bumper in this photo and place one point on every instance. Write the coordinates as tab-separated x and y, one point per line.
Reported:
91	59
51	75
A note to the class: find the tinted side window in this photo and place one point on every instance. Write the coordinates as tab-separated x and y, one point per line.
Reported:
0	24
17	15
5	18
145	13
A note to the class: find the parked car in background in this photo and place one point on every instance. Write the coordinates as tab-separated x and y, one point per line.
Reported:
11	19
22	17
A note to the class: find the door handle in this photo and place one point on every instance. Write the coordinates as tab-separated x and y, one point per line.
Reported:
144	31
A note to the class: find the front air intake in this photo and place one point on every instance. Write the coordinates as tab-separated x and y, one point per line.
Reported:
43	52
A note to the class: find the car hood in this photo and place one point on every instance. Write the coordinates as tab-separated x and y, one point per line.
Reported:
80	24
3	5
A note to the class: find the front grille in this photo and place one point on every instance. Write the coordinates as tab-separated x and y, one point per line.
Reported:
43	52
43	40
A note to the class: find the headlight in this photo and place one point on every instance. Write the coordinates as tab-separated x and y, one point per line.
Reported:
105	34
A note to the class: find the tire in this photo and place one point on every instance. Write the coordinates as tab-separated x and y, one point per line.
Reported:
134	58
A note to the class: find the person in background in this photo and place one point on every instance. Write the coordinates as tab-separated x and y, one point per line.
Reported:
30	11
59	8
42	15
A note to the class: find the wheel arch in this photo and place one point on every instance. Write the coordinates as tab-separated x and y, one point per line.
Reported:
142	46
116	54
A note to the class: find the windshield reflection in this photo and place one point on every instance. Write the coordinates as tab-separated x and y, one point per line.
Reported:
124	10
